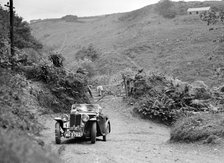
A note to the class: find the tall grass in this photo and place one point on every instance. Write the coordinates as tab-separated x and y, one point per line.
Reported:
16	147
205	127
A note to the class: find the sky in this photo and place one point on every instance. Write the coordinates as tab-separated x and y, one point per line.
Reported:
39	9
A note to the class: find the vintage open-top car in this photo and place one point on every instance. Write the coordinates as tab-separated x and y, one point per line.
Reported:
85	120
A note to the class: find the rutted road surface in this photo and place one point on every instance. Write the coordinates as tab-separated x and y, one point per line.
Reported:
132	140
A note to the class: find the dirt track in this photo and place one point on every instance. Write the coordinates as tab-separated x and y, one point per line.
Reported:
131	140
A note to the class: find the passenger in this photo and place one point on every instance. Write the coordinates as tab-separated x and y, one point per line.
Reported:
99	90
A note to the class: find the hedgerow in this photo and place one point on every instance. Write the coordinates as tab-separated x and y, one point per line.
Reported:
68	88
166	99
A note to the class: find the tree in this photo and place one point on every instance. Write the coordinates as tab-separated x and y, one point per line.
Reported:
22	31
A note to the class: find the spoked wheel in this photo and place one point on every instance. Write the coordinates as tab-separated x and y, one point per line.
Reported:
57	133
107	131
93	133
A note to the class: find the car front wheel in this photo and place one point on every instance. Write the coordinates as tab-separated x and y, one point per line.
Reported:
57	133
93	133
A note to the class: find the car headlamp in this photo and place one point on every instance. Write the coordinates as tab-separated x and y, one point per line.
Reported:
85	117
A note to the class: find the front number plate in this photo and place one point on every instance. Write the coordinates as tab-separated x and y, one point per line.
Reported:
76	134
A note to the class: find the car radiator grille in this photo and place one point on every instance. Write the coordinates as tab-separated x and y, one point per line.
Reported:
75	119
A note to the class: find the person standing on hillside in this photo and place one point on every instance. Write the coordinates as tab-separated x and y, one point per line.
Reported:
99	90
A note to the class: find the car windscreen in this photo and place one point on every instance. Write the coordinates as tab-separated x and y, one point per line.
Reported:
87	108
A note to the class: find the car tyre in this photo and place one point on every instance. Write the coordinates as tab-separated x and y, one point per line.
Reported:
57	133
107	132
105	138
93	133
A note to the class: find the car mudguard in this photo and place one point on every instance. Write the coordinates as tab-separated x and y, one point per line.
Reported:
59	120
102	123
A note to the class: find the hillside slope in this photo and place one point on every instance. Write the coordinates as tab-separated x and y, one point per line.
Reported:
20	129
183	47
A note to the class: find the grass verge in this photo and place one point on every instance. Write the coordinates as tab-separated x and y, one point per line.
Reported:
19	128
205	127
17	147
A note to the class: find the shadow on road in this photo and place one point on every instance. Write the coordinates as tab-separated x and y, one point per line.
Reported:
84	141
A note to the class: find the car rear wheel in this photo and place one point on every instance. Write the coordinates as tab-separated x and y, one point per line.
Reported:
57	133
93	133
107	132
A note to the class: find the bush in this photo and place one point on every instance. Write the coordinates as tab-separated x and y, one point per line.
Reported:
33	57
56	59
89	66
90	53
68	88
166	99
201	127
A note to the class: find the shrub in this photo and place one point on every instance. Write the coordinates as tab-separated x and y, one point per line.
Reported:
68	88
160	104
89	66
90	53
166	99
56	59
33	57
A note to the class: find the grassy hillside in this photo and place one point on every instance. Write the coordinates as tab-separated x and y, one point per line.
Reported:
19	128
183	47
